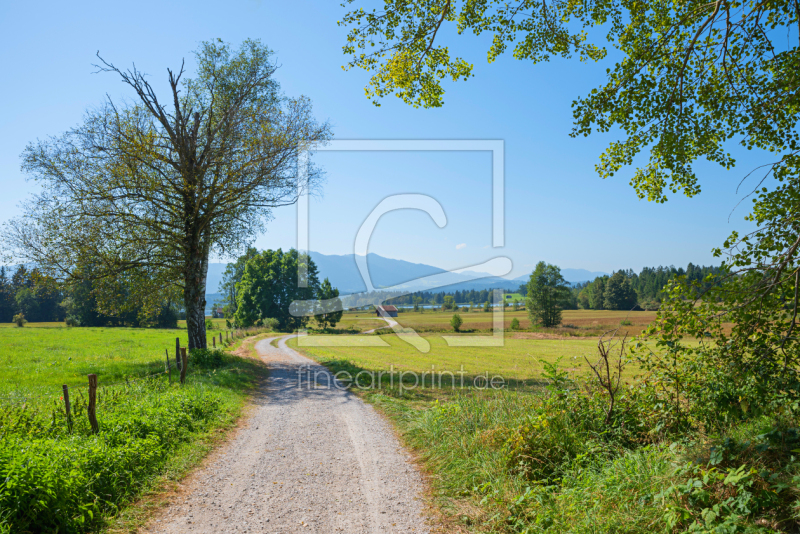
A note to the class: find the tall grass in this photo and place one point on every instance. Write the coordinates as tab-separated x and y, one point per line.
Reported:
465	443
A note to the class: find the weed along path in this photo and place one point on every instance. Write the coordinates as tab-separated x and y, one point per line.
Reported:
309	459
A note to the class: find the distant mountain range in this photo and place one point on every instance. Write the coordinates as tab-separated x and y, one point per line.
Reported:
343	273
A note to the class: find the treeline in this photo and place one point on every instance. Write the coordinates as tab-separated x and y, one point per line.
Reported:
625	290
39	298
29	292
437	298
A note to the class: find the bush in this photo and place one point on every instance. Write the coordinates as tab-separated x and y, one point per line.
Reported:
72	321
514	324
625	322
456	321
209	324
207	358
20	320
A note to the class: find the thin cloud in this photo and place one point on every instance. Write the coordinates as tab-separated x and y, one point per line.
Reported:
462	245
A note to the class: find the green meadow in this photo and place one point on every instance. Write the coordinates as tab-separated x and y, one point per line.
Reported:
39	358
520	361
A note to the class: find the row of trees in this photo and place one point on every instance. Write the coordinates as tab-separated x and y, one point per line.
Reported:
438	298
548	293
41	298
625	289
29	292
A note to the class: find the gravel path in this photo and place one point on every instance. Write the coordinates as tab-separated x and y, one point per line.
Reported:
310	459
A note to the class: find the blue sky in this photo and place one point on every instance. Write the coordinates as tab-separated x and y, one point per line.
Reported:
557	208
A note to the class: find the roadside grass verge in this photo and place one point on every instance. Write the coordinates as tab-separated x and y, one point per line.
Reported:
58	476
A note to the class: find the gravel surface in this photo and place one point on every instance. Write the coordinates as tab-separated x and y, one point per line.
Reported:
310	459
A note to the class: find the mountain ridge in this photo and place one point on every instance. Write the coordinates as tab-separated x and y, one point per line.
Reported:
342	271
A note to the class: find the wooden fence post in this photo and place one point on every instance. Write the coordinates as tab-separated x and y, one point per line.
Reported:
220	338
91	410
169	367
178	352
65	388
185	361
226	335
214	341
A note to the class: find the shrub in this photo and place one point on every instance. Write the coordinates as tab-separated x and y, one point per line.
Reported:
456	321
514	324
625	322
738	484
72	321
209	324
55	480
20	320
207	358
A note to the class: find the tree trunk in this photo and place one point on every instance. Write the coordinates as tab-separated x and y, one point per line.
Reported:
194	296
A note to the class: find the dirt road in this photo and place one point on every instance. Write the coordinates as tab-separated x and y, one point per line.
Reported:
311	459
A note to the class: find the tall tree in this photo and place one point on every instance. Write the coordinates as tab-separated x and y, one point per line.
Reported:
330	311
597	293
619	294
270	285
548	293
149	189
232	276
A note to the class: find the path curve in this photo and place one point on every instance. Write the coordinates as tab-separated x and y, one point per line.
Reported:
390	323
310	459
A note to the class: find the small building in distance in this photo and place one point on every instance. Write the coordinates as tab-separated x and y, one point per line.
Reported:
385	311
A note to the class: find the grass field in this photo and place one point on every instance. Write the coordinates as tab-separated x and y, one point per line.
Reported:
59	475
39	359
519	361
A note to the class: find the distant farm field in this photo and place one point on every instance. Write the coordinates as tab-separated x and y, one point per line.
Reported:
360	321
574	322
